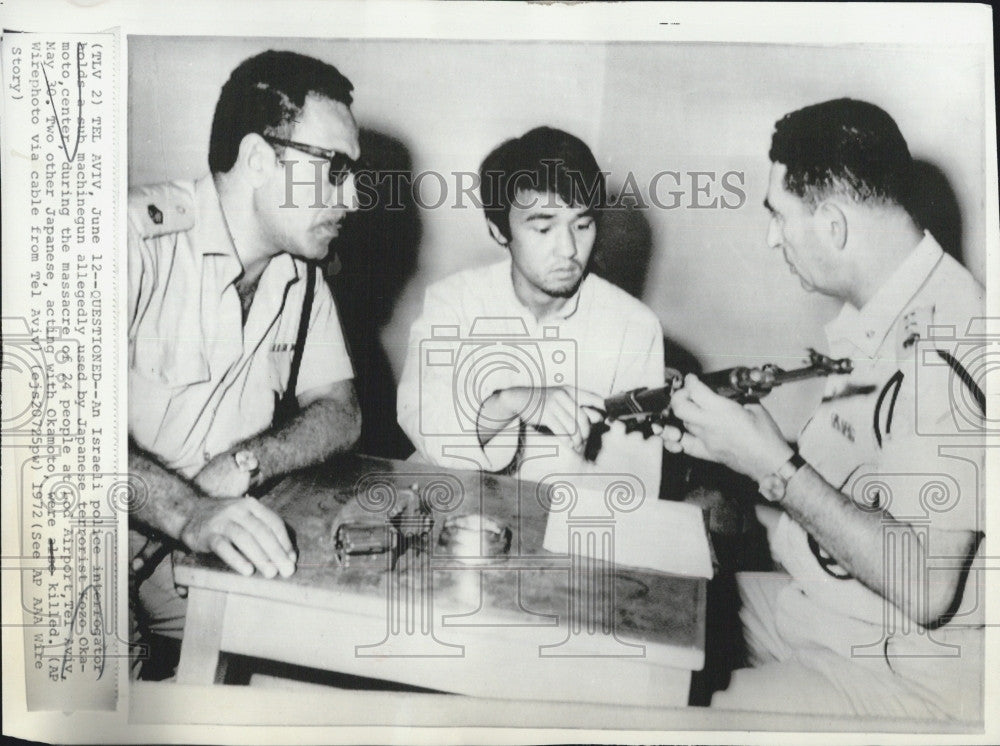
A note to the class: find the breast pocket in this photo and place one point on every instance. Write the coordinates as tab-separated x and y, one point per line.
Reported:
160	373
148	402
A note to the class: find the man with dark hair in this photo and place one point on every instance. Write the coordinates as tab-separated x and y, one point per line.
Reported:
266	95
508	365
845	147
238	371
544	161
871	499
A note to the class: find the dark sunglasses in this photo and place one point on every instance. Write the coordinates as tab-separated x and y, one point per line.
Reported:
340	165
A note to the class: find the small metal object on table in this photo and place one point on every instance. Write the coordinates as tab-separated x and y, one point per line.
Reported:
512	621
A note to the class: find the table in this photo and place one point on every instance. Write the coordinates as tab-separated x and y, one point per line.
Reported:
535	626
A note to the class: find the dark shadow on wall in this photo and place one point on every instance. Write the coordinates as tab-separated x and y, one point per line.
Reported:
623	248
621	256
377	255
934	204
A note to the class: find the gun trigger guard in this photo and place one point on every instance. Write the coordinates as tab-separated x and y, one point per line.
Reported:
659	418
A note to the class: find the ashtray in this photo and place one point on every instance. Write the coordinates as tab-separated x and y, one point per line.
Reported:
475	539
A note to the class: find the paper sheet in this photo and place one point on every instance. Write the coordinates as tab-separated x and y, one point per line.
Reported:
657	535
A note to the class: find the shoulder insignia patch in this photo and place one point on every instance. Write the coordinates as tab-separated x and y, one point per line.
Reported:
162	209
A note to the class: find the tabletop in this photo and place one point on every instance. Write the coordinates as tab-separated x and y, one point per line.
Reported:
529	586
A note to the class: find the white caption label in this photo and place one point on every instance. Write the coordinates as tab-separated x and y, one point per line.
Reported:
60	327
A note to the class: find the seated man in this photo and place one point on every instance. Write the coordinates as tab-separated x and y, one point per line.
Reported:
877	515
508	365
228	318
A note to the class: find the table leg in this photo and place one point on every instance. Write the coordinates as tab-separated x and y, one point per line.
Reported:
199	661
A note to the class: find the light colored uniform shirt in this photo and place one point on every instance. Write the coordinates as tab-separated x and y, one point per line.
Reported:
199	380
900	434
475	337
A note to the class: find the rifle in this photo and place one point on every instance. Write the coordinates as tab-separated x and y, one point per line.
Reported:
640	408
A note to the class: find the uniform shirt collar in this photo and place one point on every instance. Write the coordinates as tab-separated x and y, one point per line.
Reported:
868	327
210	235
567	311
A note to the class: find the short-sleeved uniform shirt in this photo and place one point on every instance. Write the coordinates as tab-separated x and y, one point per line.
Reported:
199	379
901	435
475	337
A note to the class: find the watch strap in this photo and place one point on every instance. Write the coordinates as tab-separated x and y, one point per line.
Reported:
788	469
772	487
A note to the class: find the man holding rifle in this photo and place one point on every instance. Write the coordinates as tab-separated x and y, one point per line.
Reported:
871	498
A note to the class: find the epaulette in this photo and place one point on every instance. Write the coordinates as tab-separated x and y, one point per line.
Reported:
162	208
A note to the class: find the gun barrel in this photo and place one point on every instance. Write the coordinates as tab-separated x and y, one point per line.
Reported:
741	383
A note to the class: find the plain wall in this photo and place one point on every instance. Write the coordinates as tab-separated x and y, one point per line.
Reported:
720	293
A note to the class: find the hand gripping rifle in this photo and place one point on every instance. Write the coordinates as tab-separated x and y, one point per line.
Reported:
640	408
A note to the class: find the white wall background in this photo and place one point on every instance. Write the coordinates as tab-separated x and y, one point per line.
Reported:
716	287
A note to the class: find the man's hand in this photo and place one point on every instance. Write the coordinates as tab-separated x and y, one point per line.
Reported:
223	477
567	413
244	534
744	438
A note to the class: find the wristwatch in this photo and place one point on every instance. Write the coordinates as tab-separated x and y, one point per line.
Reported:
246	461
773	486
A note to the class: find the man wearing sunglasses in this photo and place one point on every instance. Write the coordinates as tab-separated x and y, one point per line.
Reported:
238	370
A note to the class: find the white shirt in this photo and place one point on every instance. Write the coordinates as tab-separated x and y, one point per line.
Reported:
199	380
475	337
898	435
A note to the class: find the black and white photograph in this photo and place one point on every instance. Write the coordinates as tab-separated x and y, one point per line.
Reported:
577	382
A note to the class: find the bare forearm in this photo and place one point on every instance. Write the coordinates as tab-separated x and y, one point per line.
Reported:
324	428
164	500
856	538
747	440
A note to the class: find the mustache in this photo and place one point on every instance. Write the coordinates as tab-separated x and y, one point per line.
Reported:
569	264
